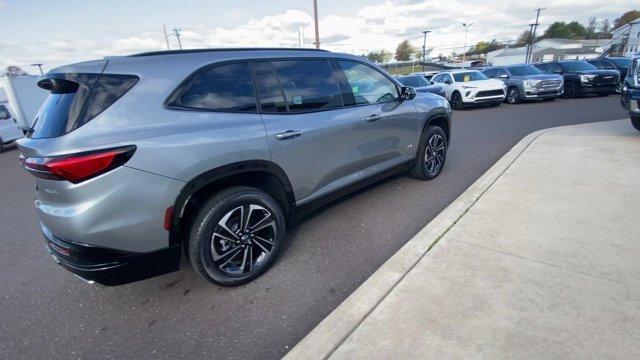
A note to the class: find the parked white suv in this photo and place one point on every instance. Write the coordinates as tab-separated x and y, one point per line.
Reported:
9	129
465	87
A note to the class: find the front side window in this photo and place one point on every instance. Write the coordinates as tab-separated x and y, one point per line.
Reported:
226	87
501	73
577	66
524	70
4	113
490	72
308	85
269	91
367	84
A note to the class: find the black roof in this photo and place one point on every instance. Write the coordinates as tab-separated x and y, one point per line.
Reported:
195	51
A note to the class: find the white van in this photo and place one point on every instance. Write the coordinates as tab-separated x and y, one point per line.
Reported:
9	129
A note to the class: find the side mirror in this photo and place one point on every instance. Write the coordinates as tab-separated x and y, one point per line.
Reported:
407	93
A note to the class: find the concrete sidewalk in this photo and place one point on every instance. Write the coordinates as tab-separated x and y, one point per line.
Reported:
539	259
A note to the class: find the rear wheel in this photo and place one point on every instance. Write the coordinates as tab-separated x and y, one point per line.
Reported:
456	101
432	153
569	91
635	121
236	236
513	96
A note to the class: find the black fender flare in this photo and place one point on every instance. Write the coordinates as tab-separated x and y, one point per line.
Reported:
219	173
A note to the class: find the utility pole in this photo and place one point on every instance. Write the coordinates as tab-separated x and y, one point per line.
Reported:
464	50
533	35
424	48
166	38
39	67
315	18
176	33
529	44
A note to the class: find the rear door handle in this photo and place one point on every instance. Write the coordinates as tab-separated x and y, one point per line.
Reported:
289	134
373	118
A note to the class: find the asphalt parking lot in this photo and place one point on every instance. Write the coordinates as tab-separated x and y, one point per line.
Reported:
47	313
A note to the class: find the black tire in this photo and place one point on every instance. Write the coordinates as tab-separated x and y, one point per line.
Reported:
635	121
513	95
433	141
569	91
549	99
456	101
232	242
1	145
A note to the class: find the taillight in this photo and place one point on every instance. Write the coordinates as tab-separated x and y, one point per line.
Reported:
77	168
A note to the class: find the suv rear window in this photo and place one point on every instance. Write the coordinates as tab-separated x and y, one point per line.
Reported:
75	99
226	87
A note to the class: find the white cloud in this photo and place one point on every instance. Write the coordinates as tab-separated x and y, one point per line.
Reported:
378	26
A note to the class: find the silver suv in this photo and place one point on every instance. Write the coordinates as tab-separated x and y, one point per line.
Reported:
213	153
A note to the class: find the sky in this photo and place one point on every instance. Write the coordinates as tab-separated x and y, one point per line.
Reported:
65	31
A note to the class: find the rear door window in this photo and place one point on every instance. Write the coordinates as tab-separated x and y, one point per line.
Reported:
368	85
308	85
270	93
225	87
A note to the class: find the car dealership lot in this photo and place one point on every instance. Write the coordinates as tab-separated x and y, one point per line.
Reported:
47	313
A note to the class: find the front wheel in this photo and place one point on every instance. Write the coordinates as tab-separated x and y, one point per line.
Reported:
635	121
513	96
432	153
569	91
456	101
236	236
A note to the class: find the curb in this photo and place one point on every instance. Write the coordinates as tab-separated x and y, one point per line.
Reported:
331	332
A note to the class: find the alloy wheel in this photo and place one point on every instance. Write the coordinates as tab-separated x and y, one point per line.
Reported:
512	96
434	154
243	239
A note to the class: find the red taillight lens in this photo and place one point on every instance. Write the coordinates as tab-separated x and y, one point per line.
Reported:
168	218
78	167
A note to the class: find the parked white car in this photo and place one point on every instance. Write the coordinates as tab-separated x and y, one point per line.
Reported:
466	87
9	129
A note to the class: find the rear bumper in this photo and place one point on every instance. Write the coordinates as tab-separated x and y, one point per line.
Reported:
110	267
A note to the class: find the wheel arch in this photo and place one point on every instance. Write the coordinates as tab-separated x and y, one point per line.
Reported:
439	117
261	174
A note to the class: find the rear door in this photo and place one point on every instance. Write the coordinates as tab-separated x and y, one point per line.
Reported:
313	137
390	125
9	129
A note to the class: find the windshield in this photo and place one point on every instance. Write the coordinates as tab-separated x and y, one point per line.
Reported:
523	70
621	62
469	76
577	66
413	81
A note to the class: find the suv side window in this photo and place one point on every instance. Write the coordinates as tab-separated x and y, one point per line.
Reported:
367	84
4	113
308	85
490	72
269	92
554	68
226	87
501	72
436	79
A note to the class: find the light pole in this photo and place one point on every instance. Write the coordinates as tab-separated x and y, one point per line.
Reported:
424	48
39	67
464	50
315	20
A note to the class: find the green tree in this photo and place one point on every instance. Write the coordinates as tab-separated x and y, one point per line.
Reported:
560	29
523	39
380	56
626	18
404	51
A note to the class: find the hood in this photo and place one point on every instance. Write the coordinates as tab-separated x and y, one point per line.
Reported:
598	72
484	84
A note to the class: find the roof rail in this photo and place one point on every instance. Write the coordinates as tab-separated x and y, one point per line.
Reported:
195	51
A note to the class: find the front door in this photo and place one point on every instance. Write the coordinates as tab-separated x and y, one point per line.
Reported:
313	137
390	125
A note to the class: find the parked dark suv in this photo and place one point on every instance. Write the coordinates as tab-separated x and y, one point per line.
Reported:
582	78
622	64
214	153
630	96
526	82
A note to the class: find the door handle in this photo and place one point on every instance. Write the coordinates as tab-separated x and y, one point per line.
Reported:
373	118
289	134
